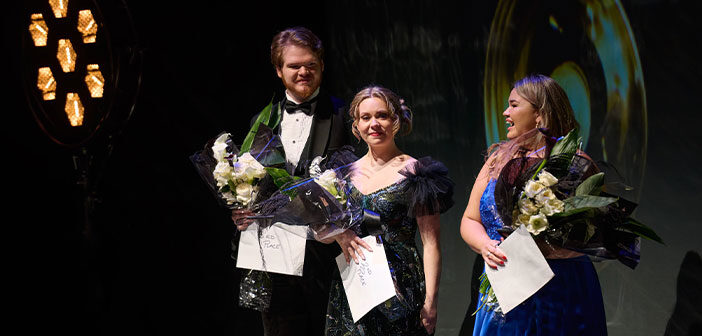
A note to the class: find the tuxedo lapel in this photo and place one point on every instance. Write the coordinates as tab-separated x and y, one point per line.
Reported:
316	144
322	126
276	117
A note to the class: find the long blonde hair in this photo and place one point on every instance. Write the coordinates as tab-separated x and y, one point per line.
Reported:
557	119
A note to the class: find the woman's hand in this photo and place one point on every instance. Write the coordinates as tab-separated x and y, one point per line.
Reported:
351	244
492	254
428	316
240	220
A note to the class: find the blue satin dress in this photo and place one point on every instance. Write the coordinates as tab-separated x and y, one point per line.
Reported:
569	304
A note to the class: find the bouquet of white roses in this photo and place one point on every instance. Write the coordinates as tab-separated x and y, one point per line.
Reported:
537	201
240	176
321	201
237	177
561	202
331	183
560	199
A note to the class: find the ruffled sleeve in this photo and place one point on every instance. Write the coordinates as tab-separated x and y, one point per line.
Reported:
341	160
429	189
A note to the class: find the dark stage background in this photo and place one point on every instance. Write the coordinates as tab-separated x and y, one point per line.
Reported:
151	254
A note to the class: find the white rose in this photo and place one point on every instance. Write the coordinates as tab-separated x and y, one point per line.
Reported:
526	206
515	215
229	197
222	173
545	196
244	193
328	181
552	206
219	149
537	223
547	179
248	169
521	219
532	188
238	170
250	161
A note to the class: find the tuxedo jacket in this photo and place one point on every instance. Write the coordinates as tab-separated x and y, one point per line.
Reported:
330	130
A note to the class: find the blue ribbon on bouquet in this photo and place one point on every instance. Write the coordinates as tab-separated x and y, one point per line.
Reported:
310	179
371	223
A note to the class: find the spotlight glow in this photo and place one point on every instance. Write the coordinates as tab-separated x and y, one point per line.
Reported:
66	55
46	83
87	26
59	7
95	81
39	30
74	109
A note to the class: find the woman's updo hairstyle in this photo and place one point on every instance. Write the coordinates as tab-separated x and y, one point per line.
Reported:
400	113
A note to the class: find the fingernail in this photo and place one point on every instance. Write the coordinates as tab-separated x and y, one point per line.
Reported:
502	262
505	258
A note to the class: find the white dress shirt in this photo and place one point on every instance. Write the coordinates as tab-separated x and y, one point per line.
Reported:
295	130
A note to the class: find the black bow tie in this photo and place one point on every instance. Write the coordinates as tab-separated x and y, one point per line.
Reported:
306	107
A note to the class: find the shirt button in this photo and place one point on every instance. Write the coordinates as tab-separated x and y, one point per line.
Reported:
297	119
293	141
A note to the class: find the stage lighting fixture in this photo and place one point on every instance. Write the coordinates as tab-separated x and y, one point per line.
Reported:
87	26
74	109
59	7
39	30
81	68
46	83
95	81
66	55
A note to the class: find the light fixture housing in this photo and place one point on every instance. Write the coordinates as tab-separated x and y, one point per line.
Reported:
81	69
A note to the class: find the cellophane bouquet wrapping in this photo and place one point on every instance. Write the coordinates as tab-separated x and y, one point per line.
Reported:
319	201
244	178
561	201
239	177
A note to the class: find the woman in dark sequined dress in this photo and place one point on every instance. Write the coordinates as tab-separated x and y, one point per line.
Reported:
409	194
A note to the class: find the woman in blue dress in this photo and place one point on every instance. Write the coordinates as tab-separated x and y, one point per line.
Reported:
571	302
408	194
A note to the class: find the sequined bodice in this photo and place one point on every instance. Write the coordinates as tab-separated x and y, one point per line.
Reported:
391	204
425	190
488	211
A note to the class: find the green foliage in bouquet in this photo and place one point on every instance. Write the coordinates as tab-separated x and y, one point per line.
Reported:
488	293
263	118
555	204
586	202
280	176
283	180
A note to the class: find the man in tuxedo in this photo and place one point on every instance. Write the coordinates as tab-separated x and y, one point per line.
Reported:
310	123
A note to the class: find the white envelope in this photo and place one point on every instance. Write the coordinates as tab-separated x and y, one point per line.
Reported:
283	249
369	283
524	272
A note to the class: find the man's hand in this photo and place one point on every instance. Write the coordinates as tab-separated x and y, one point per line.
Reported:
240	220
